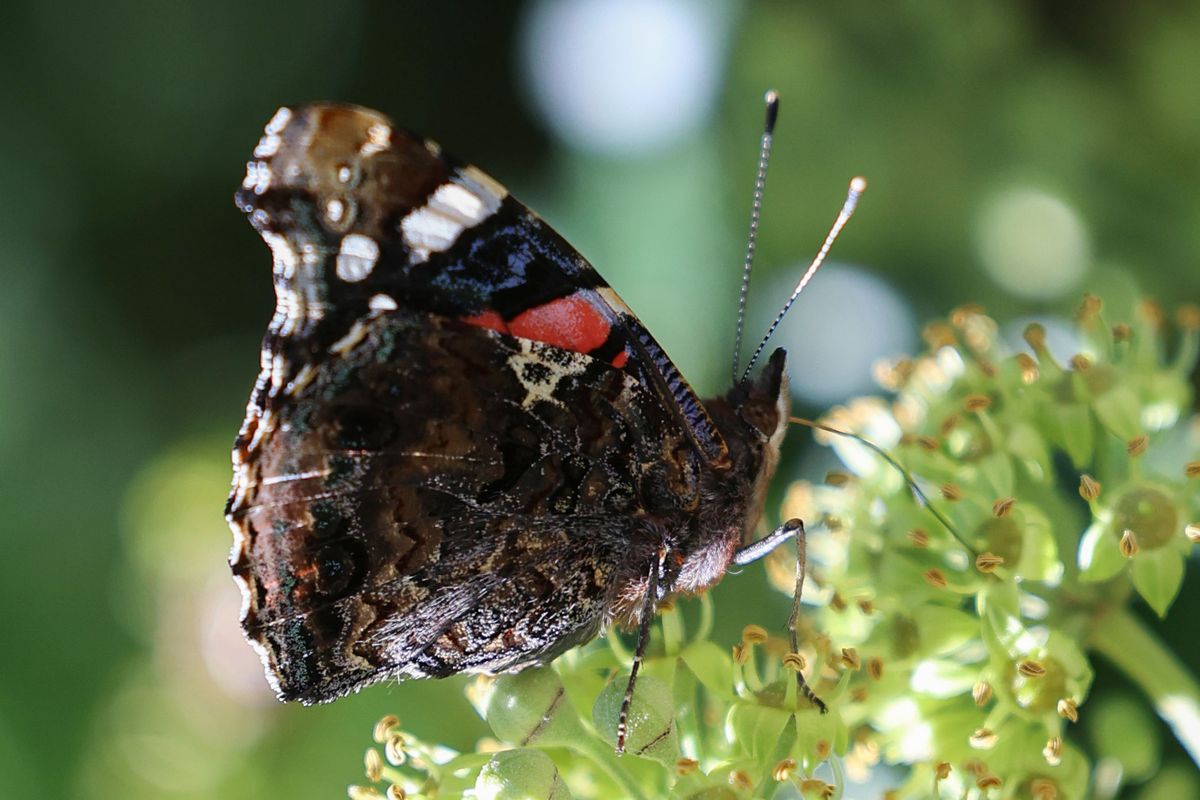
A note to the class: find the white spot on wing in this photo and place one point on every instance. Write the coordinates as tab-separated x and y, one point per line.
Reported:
279	121
357	257
482	183
282	253
377	139
258	176
458	203
427	231
468	199
279	368
382	302
268	145
264	428
334	210
241	582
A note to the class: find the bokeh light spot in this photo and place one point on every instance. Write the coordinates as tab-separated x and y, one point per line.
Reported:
845	321
623	76
1032	243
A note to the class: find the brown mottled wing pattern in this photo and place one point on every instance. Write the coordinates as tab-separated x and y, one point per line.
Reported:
418	491
419	510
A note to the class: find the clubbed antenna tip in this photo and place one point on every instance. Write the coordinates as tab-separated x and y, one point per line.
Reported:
771	98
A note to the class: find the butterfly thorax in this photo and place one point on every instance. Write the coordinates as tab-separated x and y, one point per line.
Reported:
752	418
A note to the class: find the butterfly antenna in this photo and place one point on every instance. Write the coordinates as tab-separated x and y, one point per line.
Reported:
760	181
857	187
922	498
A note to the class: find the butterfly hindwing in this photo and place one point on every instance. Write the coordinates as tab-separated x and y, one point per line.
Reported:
396	506
457	428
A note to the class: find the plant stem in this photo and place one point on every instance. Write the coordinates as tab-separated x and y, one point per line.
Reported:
601	754
1122	639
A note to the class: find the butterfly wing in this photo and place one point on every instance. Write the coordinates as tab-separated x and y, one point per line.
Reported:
456	427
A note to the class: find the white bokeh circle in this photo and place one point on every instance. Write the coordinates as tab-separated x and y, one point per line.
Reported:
1033	243
622	77
846	320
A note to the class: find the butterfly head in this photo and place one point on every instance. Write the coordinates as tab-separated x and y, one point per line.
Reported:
763	403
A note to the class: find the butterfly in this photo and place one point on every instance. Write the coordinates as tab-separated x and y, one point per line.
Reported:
463	452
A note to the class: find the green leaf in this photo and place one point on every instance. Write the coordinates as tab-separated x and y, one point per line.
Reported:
1077	669
942	679
1039	552
1018	758
1157	576
712	666
943	629
1073	423
713	793
1175	780
996	471
783	749
999	606
756	729
1000	598
1123	728
1029	448
1119	410
1099	556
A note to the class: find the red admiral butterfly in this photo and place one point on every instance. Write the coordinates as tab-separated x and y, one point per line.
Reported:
463	452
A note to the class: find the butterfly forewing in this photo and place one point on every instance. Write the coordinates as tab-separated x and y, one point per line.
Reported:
457	432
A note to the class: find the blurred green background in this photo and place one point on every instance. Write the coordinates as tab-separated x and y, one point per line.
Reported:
1019	153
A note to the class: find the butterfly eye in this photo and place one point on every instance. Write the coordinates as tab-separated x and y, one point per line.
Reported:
757	417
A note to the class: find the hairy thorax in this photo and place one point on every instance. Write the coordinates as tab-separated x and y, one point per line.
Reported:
695	549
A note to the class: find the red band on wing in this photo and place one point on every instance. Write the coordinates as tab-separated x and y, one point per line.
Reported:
575	322
572	323
488	319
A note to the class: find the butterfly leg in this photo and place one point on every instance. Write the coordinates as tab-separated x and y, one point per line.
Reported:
756	550
643	637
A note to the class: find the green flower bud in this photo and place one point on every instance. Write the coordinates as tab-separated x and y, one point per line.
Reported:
520	775
1003	537
1150	513
531	707
652	731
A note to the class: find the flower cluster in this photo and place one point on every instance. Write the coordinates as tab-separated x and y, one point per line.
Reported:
1021	501
994	519
705	723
